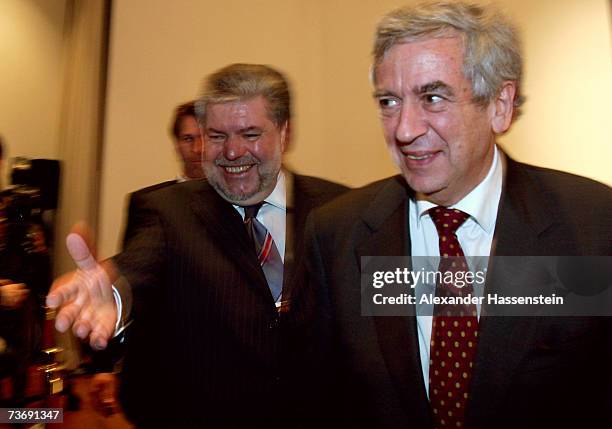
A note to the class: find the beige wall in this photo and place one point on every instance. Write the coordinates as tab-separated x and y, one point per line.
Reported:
160	51
31	43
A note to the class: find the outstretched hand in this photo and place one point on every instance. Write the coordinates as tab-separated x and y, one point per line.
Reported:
84	297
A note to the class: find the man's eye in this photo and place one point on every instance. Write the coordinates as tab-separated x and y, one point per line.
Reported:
388	102
188	139
216	137
433	98
252	136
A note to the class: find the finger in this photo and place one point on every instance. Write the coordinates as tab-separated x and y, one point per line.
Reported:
80	253
98	341
63	290
81	329
81	228
102	332
5	282
87	316
61	296
66	316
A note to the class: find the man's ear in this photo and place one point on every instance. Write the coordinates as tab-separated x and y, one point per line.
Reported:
502	107
285	136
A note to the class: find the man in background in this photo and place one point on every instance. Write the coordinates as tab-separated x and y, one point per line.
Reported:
447	80
217	255
187	140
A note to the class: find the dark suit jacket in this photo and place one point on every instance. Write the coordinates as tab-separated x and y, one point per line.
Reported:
204	346
539	372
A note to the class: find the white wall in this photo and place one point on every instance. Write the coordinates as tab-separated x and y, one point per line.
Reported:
161	50
31	41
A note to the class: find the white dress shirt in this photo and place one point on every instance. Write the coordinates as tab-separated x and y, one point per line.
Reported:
475	237
273	213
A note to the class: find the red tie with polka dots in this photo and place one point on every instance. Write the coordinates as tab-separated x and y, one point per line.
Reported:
454	333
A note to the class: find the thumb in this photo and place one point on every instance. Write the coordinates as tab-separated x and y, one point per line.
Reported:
80	253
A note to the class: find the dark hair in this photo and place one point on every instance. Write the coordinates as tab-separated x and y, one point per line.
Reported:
183	110
1	148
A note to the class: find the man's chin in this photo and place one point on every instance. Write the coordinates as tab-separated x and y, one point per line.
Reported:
427	190
240	198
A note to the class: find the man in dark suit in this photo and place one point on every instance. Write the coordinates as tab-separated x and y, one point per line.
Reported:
447	79
211	254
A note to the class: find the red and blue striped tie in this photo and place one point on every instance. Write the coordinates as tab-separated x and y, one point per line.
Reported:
267	253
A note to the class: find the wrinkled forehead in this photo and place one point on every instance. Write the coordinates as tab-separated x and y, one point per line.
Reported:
239	115
421	62
454	40
238	107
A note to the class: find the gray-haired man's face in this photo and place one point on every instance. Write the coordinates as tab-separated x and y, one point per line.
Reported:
242	150
439	138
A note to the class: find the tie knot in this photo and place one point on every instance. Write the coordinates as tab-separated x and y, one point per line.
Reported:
446	220
250	212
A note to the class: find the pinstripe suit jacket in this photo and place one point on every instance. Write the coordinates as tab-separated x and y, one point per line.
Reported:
204	347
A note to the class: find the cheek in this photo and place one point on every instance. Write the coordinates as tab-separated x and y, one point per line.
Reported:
266	150
186	151
389	125
211	151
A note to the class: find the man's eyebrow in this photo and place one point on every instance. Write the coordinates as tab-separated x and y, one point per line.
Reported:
436	86
381	93
250	129
212	130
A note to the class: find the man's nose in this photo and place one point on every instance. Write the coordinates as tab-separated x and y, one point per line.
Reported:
234	147
411	123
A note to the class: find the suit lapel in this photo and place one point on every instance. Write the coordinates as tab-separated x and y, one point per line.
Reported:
387	222
224	223
298	209
504	341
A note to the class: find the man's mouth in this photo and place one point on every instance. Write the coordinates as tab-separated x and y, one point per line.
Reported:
237	169
420	157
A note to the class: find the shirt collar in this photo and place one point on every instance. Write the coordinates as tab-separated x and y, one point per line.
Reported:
278	197
481	203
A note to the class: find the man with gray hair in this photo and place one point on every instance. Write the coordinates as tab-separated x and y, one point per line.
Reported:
447	79
216	255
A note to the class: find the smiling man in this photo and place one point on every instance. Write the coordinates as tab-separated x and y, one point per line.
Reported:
244	150
216	256
447	79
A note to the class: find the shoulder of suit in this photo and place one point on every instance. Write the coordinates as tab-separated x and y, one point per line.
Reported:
566	187
154	187
318	185
167	189
352	203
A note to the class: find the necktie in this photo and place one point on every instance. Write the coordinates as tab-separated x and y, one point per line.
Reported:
265	248
454	334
